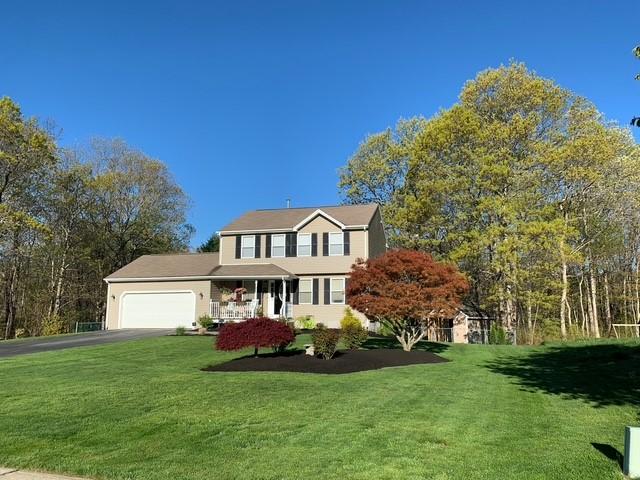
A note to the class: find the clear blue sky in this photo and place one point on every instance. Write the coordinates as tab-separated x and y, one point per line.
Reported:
250	103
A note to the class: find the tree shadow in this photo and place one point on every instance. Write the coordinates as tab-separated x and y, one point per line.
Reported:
603	374
610	452
377	342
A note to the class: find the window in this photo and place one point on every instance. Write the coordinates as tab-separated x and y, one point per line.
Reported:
305	291
336	243
277	245
337	290
304	244
248	246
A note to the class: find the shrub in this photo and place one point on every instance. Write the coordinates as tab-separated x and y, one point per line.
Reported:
305	322
53	325
205	321
354	335
180	331
325	342
348	319
255	332
497	335
21	333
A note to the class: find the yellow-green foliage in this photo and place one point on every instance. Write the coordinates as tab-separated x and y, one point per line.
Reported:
53	325
349	319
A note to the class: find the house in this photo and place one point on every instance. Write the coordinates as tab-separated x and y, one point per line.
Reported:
279	263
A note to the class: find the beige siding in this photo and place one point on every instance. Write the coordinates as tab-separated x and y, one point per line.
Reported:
200	288
303	265
377	239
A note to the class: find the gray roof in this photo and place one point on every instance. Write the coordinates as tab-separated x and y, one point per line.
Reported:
169	265
185	265
266	270
287	218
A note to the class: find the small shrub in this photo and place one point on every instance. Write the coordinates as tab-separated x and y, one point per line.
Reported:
255	332
53	325
349	319
497	335
305	322
354	335
325	342
21	333
180	331
205	321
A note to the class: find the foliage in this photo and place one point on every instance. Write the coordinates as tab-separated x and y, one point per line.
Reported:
349	319
525	186
353	335
255	332
70	217
211	245
21	333
53	325
497	334
305	322
205	321
325	342
180	331
404	290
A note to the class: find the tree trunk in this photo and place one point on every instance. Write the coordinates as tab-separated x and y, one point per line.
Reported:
595	328
607	306
564	306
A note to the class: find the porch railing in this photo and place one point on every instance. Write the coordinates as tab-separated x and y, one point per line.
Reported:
233	310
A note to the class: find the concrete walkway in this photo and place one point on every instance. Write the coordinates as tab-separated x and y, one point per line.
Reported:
12	474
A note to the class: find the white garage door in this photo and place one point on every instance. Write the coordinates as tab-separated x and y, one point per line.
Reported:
158	310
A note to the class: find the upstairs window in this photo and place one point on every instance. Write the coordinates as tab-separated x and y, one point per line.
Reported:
248	249
277	245
336	244
304	244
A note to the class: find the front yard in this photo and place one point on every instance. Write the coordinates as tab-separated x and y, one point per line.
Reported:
144	410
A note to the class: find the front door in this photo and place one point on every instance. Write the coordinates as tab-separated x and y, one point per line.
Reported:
275	298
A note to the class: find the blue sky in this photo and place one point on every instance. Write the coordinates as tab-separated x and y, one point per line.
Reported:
250	103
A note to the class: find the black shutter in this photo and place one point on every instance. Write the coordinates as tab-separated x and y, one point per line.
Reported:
316	291
325	244
258	240
238	245
347	243
294	288
290	245
327	291
267	249
314	244
346	286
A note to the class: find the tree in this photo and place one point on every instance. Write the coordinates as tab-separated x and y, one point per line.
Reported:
405	290
636	120
526	187
211	245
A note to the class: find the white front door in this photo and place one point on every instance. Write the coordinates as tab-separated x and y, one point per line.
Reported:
157	310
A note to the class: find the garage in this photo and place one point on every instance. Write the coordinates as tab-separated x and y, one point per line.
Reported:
158	309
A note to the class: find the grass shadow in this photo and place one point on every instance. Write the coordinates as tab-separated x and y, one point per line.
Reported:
610	452
377	342
602	374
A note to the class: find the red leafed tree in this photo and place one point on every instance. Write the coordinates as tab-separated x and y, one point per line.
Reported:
405	290
254	332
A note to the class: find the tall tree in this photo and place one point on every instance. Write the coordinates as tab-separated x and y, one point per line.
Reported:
211	245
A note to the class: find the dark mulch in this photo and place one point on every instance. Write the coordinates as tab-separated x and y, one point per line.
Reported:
345	361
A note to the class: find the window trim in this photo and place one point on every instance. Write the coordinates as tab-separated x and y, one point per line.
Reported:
310	291
243	246
308	235
331	290
283	246
341	244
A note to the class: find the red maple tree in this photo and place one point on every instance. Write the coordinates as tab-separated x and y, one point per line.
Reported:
404	290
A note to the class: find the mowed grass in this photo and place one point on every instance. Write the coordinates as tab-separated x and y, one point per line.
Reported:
144	410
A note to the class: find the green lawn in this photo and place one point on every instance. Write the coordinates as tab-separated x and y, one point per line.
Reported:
144	410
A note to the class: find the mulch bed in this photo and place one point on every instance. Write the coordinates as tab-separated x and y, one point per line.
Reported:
345	361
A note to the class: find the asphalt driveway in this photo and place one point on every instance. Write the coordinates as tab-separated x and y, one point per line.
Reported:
43	344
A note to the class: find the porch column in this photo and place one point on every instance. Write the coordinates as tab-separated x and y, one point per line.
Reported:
284	297
255	291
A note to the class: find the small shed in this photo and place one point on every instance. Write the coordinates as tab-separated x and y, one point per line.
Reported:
471	325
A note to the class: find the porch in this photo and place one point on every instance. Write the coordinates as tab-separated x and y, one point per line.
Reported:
239	299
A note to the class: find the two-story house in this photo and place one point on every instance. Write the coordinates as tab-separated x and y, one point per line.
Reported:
279	263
